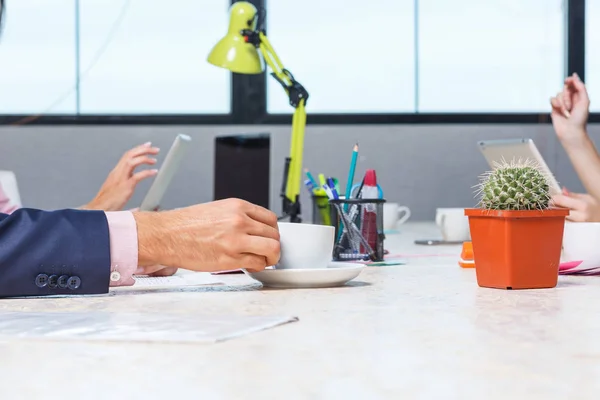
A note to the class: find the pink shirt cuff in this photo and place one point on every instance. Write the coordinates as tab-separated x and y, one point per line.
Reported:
123	247
6	207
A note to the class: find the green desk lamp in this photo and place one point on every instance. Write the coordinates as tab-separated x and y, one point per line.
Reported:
244	50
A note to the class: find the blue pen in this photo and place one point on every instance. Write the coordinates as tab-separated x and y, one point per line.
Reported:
335	194
332	187
309	186
328	192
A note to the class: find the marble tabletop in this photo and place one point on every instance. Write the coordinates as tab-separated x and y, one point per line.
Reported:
423	330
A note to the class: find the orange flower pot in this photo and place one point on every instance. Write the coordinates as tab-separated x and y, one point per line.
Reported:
517	249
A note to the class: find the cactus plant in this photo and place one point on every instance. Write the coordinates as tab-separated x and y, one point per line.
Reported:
518	186
516	235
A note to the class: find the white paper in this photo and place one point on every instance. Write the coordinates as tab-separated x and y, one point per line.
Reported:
133	327
175	281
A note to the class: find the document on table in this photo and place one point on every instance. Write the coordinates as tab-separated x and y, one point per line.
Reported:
133	327
172	282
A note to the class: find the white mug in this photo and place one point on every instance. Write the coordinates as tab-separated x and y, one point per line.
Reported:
305	246
394	214
580	243
453	223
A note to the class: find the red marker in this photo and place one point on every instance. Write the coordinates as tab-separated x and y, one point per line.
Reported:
369	211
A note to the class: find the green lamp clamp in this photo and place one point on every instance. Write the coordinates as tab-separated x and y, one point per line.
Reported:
295	90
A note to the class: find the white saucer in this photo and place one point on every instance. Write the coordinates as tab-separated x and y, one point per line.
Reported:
336	274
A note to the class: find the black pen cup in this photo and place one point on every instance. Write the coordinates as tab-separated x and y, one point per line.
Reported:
358	229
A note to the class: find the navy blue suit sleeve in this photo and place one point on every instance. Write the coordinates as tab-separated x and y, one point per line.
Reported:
54	252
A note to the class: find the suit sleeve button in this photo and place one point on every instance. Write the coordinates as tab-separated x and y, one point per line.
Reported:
41	280
74	282
53	281
62	281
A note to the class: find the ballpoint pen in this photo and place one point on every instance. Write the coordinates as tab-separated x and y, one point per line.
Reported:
311	188
336	184
336	195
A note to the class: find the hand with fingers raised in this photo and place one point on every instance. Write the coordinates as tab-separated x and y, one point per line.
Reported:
122	180
570	110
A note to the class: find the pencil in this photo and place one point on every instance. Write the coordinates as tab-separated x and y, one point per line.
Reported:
351	174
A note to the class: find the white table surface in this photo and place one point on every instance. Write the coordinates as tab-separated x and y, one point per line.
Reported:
419	331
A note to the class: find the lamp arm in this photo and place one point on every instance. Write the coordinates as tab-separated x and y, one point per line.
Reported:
294	178
294	89
271	58
298	96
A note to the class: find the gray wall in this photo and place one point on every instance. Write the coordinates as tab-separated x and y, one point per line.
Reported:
421	166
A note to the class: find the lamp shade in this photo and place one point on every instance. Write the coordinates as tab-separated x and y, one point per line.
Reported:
233	52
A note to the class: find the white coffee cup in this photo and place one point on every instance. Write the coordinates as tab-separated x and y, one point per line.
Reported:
580	243
305	246
453	223
393	215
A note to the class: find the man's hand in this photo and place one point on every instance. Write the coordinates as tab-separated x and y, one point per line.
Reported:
570	109
121	182
156	270
216	236
584	207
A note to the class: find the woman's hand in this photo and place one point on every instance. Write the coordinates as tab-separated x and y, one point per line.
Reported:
570	109
583	207
122	180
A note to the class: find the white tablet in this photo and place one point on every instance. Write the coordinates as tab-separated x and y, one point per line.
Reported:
165	174
495	151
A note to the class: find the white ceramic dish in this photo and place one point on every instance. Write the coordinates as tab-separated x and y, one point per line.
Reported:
336	274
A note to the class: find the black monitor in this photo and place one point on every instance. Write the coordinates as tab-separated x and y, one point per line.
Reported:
242	168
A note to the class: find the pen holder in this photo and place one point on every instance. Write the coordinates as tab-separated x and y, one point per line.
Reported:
358	229
321	210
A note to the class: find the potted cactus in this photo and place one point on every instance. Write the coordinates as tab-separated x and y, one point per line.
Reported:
516	234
